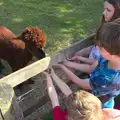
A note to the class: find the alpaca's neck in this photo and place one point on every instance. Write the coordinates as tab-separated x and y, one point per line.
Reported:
15	54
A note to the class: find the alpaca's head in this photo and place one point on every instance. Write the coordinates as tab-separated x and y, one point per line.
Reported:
35	41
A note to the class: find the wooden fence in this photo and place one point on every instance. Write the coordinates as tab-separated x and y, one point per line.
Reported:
9	104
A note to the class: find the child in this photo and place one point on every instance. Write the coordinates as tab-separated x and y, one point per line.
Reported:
105	78
80	105
111	12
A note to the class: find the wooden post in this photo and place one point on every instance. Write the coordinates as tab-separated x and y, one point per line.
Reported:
9	107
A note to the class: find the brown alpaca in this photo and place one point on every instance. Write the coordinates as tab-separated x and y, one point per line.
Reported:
18	52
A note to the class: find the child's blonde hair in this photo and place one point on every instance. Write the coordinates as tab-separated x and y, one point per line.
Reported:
82	105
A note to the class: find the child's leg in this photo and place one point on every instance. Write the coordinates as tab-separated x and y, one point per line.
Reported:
84	83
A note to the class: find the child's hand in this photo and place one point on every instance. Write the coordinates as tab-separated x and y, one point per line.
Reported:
74	59
69	59
52	71
65	61
58	65
46	75
48	80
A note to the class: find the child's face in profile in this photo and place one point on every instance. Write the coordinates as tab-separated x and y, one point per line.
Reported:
108	11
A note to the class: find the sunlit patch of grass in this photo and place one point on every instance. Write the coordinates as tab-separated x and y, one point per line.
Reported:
18	20
1	3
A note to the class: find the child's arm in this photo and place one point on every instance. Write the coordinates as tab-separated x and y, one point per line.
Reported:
83	59
62	85
82	67
51	90
84	52
112	113
84	83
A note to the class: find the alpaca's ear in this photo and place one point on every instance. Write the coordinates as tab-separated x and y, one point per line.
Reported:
27	30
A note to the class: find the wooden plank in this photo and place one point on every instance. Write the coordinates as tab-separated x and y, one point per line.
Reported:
70	50
25	73
10	109
38	113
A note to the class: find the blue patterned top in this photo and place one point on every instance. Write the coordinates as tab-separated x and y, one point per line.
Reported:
94	53
105	82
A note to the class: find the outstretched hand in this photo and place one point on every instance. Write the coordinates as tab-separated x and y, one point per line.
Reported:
76	59
46	74
58	66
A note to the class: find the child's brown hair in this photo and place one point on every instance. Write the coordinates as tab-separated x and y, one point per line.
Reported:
82	105
116	5
109	37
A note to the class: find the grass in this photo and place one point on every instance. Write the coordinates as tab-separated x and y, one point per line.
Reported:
64	21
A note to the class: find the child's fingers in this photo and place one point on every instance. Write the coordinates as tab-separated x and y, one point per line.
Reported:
56	65
46	75
69	59
59	66
61	62
52	72
65	60
72	59
48	70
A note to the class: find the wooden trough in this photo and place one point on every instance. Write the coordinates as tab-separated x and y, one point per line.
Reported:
33	102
